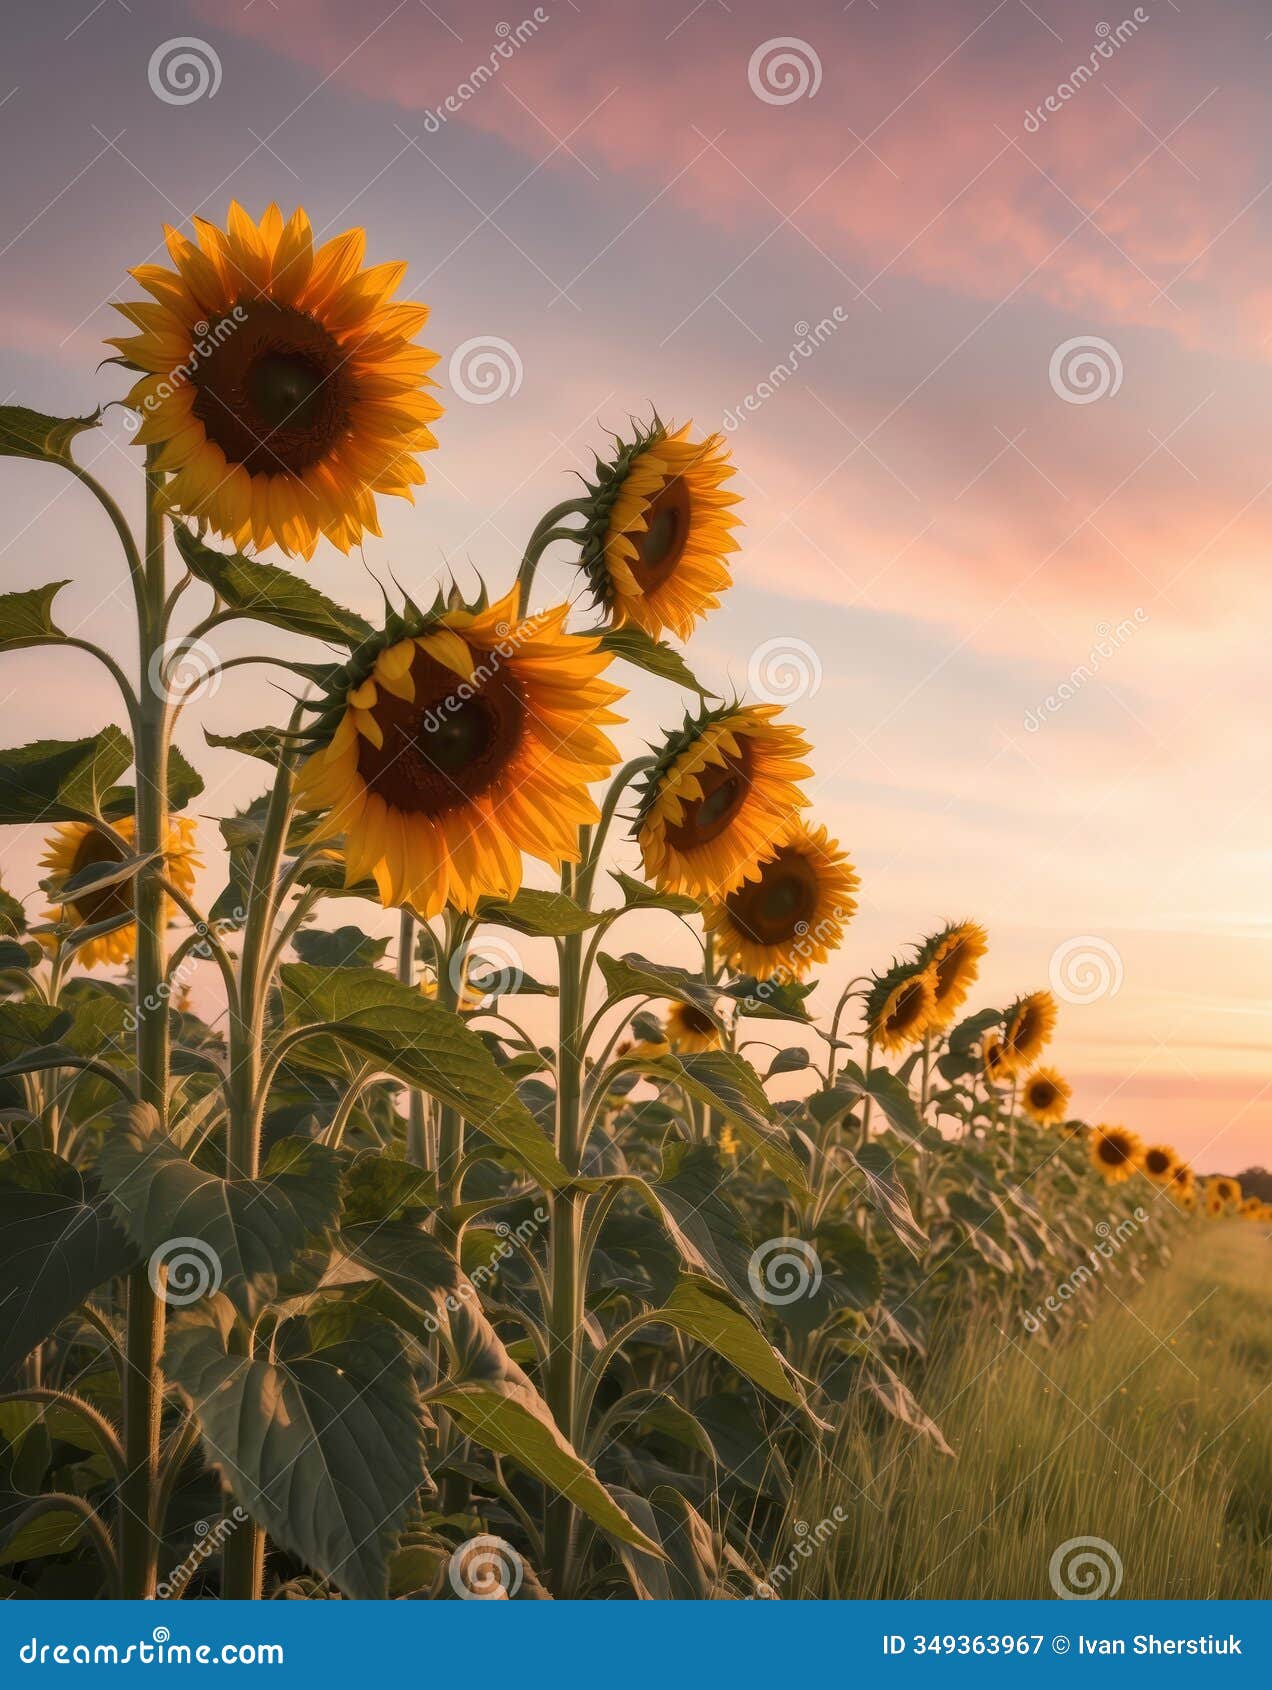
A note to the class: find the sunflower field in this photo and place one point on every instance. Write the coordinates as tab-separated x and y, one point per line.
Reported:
360	1285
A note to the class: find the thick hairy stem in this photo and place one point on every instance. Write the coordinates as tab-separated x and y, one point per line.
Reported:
416	1138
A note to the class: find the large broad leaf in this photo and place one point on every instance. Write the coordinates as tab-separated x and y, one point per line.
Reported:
184	784
58	780
542	915
701	1310
322	1442
891	1098
268	594
31	434
346	947
58	1244
655	657
731	1086
888	1196
239	1235
896	1398
638	896
420	1043
689	1196
27	618
691	1570
770	1000
633	976
847	1276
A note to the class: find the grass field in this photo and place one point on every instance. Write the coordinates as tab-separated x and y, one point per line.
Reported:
1146	1421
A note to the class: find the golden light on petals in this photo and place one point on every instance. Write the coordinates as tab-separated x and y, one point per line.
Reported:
1116	1153
691	1029
75	846
1044	1097
899	1007
790	916
1028	1027
954	954
1160	1163
279	380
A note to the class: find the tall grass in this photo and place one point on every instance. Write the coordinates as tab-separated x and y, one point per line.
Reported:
1145	1421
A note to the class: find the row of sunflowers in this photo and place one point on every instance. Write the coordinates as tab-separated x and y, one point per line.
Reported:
353	1285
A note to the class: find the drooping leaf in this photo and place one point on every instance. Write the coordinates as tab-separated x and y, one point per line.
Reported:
420	1043
58	1244
690	1571
703	1311
638	896
239	1235
58	780
888	1196
793	1060
31	434
269	594
346	947
322	1441
542	915
26	618
731	1086
655	657
632	975
267	743
770	1000
891	1098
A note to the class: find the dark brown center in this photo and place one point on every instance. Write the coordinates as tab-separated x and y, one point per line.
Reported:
948	968
696	1020
1158	1161
447	746
779	905
724	791
110	902
1042	1094
660	548
1113	1151
275	392
907	1008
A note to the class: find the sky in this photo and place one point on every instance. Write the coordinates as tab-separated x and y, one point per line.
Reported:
981	295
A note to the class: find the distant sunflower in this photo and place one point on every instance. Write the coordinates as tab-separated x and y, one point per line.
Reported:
954	955
722	788
1251	1209
1214	1206
1160	1162
1045	1097
1116	1152
899	1007
1187	1201
76	846
690	1029
792	914
1029	1024
1224	1188
1182	1179
728	1141
660	524
281	383
453	742
996	1070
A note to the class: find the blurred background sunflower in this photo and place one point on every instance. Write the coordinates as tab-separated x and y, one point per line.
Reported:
75	846
1159	1163
1045	1097
954	955
1029	1024
1116	1152
691	1029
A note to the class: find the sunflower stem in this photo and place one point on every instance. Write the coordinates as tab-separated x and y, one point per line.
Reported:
544	534
416	1147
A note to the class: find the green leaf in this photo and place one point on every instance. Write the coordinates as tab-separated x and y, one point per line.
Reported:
509	1417
542	915
54	1531
58	1244
185	783
701	1310
849	1277
691	1570
770	1000
242	1235
793	1060
632	975
269	594
888	1196
638	896
30	434
891	1097
27	618
346	947
58	780
731	1086
655	657
266	743
322	1442
13	921
420	1043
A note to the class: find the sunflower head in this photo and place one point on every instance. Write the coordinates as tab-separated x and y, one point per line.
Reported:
1224	1189
721	789
1117	1153
75	846
899	1007
659	527
691	1029
1028	1024
997	1072
792	914
1214	1206
1181	1180
452	742
728	1141
279	380
954	955
1045	1096
1251	1209
1160	1163
1187	1201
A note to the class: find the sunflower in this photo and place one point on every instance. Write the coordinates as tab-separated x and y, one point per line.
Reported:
75	846
954	955
790	917
280	382
1029	1025
1187	1201
1116	1152
1214	1206
720	791
996	1070
1182	1180
728	1141
1160	1163
454	741
899	1007
1251	1209
659	526
1045	1097
1225	1189
691	1029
